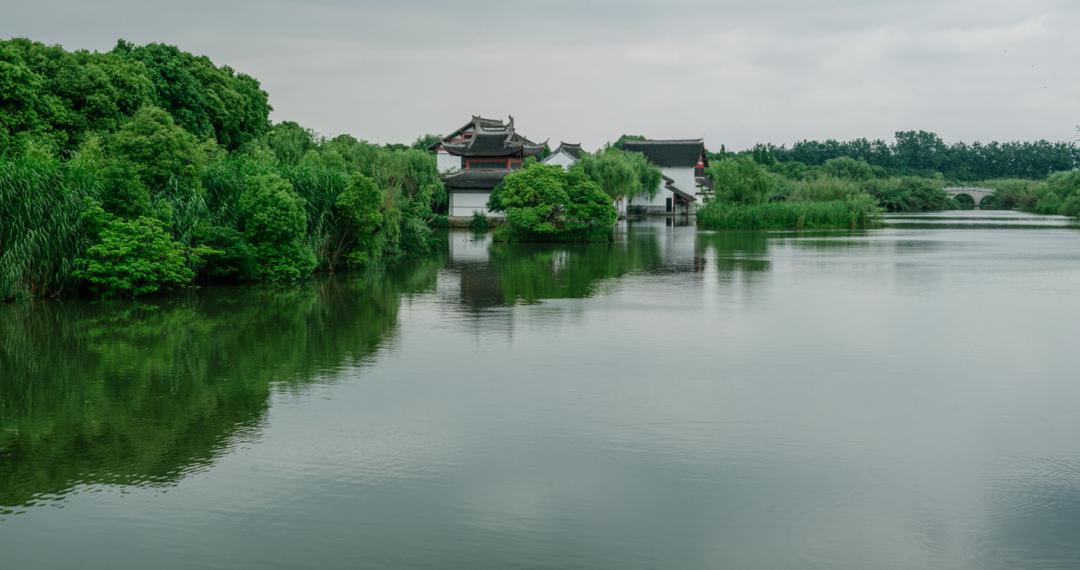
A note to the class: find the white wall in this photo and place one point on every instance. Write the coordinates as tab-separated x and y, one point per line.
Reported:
683	178
446	162
463	204
660	200
561	159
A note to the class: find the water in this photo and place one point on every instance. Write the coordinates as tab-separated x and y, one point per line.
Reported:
900	398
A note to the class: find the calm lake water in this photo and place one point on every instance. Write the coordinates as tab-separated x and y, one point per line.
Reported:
903	398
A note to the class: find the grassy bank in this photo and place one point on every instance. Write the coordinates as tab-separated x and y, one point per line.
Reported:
853	213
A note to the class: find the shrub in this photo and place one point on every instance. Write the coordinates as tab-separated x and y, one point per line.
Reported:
132	257
479	222
232	257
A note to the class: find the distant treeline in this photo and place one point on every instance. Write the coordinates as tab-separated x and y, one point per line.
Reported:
923	153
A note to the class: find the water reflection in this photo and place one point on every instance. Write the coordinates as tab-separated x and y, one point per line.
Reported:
737	251
496	274
898	398
145	393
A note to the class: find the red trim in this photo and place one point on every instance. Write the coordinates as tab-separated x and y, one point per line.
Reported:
507	163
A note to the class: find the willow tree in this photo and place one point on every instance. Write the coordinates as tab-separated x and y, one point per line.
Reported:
621	174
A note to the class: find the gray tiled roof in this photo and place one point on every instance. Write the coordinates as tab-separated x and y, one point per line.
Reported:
491	137
573	149
680	152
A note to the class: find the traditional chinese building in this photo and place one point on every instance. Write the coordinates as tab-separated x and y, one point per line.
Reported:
475	158
565	156
683	163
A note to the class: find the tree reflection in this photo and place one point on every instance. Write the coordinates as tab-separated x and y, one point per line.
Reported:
737	251
529	272
141	394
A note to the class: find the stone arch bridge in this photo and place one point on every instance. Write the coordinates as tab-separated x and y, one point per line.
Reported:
976	194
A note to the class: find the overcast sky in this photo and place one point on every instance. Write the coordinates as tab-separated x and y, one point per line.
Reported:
735	73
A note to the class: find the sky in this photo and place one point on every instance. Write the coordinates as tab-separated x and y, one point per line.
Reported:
734	73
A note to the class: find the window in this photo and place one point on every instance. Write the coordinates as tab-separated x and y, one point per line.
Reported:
487	164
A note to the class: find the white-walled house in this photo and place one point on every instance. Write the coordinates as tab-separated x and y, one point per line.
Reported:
565	156
683	163
475	158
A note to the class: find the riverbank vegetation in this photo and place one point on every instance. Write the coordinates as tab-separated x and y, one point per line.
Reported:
1058	194
146	167
749	196
910	173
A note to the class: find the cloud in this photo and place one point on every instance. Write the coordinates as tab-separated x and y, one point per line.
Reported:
734	72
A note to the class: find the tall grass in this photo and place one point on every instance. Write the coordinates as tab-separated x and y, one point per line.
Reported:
856	212
41	233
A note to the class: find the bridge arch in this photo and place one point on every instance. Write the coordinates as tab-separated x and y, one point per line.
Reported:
977	195
963	198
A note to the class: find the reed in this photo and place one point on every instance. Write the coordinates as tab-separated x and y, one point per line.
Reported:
857	212
41	233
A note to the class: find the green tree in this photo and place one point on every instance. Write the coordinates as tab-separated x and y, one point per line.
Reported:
158	149
290	142
624	137
204	99
848	168
426	141
275	224
26	110
546	203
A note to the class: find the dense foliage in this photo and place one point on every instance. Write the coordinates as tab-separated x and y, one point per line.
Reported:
147	167
547	203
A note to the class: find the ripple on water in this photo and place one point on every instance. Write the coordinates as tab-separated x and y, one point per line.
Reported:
1035	513
1031	486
